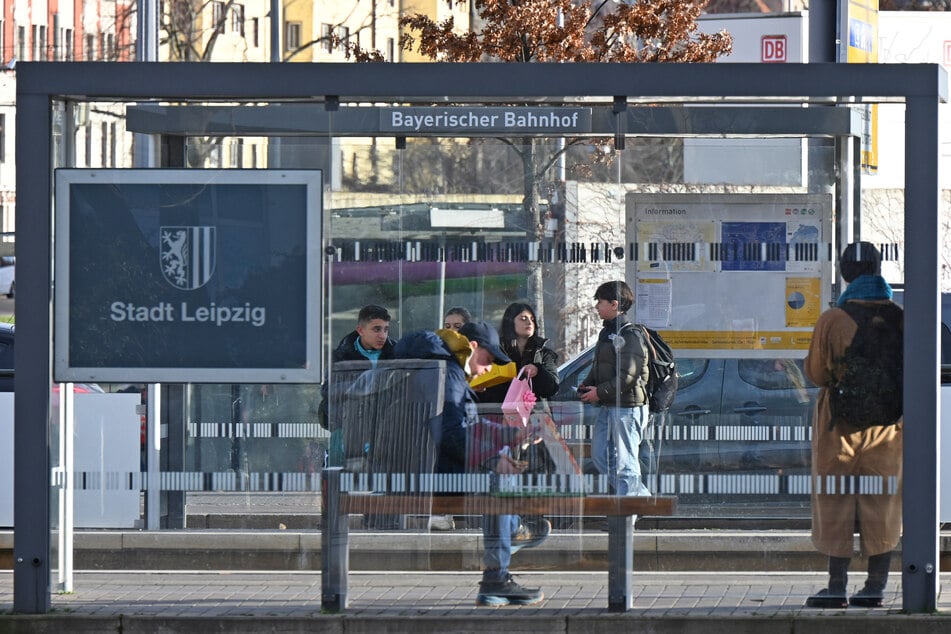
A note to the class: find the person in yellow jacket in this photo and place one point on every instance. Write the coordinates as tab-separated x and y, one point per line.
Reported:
857	472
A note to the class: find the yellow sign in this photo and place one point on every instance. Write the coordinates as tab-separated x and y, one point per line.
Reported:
803	298
861	28
737	340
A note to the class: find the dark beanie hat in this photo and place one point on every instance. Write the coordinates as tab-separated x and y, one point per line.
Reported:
860	258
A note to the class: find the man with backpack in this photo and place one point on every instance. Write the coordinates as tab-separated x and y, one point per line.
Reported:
856	358
466	443
617	383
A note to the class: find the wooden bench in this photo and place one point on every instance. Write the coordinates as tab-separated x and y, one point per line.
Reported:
337	505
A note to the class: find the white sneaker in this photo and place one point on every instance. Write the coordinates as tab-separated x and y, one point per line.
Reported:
441	523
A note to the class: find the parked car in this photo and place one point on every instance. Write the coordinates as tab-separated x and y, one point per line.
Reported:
729	415
8	283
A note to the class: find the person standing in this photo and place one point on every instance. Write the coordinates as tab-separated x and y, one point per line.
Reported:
616	384
522	343
369	341
456	317
842	452
470	352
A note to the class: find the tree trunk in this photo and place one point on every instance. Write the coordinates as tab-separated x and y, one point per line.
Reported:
533	232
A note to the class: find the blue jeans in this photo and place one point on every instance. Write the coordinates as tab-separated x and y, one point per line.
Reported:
497	535
615	447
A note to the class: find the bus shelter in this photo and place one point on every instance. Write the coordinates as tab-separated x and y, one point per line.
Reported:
214	229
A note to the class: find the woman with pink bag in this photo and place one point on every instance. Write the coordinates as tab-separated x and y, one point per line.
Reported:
533	358
537	366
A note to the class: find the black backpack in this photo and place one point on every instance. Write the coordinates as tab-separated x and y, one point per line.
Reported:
662	371
869	390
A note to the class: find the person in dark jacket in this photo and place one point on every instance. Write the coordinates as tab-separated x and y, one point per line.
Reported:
522	343
468	353
616	385
369	341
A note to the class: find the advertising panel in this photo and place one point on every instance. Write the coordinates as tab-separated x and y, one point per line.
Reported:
859	25
724	275
187	275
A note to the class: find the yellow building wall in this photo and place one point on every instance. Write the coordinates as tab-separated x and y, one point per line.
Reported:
439	11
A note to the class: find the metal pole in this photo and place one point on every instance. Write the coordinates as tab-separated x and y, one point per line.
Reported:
67	398
275	30
153	446
922	448
146	50
31	423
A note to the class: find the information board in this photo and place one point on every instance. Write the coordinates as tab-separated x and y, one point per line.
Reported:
724	275
187	275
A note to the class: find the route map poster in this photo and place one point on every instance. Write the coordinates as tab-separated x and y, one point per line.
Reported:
724	275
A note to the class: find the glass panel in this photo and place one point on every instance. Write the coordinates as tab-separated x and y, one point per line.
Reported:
732	266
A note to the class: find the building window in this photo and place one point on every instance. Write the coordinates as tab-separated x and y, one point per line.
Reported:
44	50
90	48
21	44
103	143
345	35
112	144
237	153
110	52
292	36
218	16
101	51
34	41
327	37
68	45
255	31
237	19
390	49
87	129
3	138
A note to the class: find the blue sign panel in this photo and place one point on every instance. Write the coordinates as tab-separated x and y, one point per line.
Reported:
753	246
187	276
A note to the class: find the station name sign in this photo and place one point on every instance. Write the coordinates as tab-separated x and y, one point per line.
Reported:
461	120
187	276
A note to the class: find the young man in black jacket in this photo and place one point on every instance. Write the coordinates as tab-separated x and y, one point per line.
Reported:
616	384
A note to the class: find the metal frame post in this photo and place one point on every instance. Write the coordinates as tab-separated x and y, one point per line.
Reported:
922	362
31	427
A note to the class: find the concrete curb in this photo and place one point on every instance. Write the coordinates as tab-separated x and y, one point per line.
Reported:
499	620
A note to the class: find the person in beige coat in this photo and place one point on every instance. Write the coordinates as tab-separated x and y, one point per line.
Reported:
842	454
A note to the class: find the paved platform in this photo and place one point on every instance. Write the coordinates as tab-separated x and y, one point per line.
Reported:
209	601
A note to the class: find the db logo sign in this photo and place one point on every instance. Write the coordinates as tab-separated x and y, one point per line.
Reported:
773	49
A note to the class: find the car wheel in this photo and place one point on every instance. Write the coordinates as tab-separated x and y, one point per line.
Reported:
13	290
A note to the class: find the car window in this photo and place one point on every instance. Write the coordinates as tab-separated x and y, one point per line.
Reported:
689	371
773	374
570	382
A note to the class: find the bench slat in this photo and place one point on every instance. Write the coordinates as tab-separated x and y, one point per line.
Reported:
496	505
